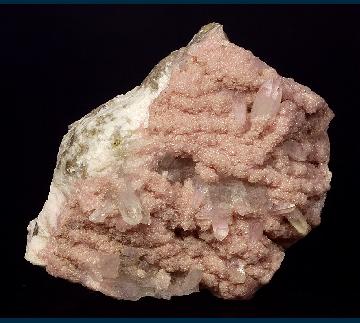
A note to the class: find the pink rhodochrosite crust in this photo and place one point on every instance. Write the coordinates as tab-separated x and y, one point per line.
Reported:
201	176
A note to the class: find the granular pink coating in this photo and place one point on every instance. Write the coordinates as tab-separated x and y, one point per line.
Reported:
222	188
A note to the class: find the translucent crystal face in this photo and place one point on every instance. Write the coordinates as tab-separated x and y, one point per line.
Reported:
201	176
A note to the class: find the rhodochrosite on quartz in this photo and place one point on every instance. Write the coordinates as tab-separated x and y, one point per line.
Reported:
200	176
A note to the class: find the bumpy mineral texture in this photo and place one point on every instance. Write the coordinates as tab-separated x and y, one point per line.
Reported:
201	176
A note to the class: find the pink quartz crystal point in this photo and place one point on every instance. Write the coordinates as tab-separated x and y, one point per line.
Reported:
201	176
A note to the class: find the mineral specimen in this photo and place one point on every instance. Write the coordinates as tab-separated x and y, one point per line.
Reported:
200	176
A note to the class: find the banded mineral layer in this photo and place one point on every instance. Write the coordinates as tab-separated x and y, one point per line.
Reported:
199	177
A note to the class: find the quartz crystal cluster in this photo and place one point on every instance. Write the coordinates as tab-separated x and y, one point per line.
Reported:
199	177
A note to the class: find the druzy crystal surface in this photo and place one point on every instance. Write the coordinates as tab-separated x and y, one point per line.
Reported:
199	177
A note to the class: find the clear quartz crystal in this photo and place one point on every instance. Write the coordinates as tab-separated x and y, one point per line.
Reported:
130	207
298	221
267	99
